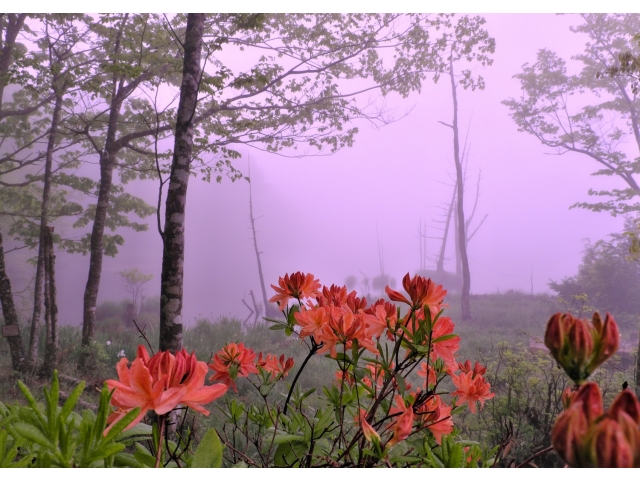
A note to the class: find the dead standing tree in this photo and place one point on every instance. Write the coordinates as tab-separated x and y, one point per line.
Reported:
268	308
485	46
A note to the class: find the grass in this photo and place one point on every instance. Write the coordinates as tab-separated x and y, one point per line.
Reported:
498	336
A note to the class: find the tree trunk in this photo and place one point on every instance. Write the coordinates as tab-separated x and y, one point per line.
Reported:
44	214
171	286
269	311
443	246
466	276
50	306
12	28
96	252
18	360
34	336
457	242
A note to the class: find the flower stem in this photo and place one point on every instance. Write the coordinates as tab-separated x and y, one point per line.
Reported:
314	348
161	419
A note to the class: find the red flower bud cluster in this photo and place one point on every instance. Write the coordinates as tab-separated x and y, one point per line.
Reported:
579	346
586	436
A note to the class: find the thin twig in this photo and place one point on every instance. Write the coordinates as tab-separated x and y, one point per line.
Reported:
535	455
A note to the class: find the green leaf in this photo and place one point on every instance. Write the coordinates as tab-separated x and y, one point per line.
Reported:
33	434
143	457
287	438
126	460
444	338
240	464
103	452
121	425
71	401
209	451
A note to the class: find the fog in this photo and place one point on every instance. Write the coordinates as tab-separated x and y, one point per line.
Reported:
329	215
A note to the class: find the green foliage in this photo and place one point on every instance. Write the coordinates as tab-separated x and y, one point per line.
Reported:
209	451
51	436
607	275
587	113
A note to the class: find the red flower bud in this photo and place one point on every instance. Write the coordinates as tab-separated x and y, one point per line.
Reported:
626	402
590	398
580	341
597	322
568	396
610	337
568	435
610	448
554	335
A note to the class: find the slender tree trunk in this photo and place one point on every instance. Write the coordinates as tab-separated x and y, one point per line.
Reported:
268	310
18	360
171	285
34	336
96	249
12	26
107	160
50	306
443	246
457	242
466	276
44	214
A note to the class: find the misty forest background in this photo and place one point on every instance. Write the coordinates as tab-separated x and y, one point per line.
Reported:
498	155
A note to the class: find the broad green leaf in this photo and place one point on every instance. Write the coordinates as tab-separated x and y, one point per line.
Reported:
209	451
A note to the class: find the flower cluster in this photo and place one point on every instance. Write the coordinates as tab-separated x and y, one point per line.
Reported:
578	346
160	383
163	381
340	322
586	436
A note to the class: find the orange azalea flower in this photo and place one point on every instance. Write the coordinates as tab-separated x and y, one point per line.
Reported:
477	368
137	388
422	291
355	303
369	432
311	322
379	319
159	382
428	374
470	389
231	362
276	367
334	295
403	423
446	348
297	286
342	328
437	416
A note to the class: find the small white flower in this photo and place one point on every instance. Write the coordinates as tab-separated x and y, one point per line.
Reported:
121	353
108	342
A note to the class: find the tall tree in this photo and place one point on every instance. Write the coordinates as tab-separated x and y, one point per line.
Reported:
134	52
303	89
173	253
477	49
588	114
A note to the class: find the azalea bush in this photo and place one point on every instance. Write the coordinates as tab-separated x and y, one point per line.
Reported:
397	385
385	406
